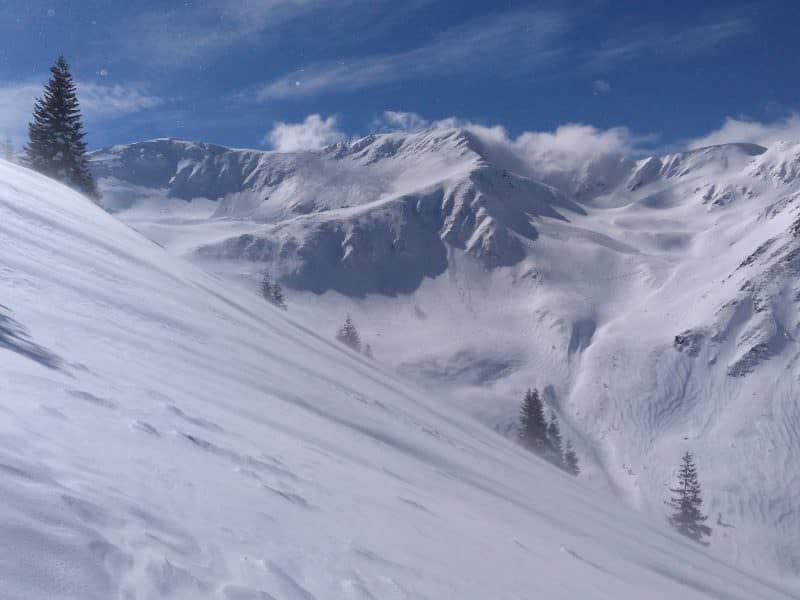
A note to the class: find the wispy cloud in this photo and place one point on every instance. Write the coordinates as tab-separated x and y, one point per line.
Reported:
179	35
525	40
756	132
661	41
600	86
98	102
176	36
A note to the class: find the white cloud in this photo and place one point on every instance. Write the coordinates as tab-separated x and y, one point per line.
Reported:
313	133
98	102
743	130
395	120
566	157
567	148
16	104
601	86
511	43
578	140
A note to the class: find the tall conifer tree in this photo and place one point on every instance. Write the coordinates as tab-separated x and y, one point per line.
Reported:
57	147
348	335
554	447
571	460
686	502
532	424
277	297
266	287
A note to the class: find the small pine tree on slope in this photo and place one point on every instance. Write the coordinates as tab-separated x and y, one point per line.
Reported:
532	425
571	460
57	148
266	287
273	293
686	502
348	335
554	446
277	297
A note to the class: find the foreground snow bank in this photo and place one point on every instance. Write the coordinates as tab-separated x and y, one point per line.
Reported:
164	435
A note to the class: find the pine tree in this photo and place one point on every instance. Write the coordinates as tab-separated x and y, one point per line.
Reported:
348	335
368	351
57	148
686	503
266	287
554	449
532	426
277	297
571	460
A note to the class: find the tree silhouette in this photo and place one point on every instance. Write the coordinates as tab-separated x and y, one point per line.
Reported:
554	449
686	502
532	425
348	335
56	147
277	297
571	460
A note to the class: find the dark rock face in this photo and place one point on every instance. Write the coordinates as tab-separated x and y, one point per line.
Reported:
689	342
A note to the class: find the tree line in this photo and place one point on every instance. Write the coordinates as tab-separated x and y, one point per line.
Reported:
542	436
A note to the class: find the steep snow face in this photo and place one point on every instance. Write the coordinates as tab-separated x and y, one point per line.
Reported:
389	245
186	170
165	434
654	301
705	162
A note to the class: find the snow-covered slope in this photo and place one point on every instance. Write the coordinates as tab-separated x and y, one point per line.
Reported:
655	301
167	435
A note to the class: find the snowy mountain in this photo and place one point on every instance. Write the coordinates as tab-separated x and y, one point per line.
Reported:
168	435
374	216
654	301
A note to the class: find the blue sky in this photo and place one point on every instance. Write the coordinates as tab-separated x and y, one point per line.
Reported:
249	73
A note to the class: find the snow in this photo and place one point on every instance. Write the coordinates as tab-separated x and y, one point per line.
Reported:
478	276
165	433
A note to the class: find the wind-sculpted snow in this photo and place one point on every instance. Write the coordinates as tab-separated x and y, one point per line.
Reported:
14	337
655	298
196	443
